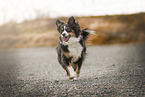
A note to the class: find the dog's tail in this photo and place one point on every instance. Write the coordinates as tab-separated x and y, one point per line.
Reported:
86	32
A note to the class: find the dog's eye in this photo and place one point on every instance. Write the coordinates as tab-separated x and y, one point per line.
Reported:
66	28
61	28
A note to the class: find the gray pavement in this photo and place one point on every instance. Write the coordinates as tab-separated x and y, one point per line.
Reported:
117	70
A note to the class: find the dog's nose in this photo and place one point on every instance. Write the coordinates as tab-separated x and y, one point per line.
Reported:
63	34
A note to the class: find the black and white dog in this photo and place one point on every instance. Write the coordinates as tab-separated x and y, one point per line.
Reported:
71	47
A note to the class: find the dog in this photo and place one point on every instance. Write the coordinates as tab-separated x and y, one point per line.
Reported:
71	48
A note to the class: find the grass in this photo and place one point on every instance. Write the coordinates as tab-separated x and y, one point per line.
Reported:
117	29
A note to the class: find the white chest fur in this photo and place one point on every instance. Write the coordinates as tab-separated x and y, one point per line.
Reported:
75	48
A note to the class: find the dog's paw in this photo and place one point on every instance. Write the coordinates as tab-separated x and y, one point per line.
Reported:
77	75
72	73
73	79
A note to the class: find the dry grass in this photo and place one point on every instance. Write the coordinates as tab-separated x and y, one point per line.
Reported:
118	29
28	40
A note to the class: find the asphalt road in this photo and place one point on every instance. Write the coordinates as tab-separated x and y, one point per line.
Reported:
107	71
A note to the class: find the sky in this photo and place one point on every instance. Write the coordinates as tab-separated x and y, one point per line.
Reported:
20	10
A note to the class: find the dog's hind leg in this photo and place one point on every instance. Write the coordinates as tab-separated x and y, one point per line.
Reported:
79	64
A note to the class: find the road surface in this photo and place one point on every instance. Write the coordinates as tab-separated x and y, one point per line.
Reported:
117	70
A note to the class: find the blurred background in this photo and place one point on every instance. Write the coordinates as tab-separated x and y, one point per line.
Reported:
31	23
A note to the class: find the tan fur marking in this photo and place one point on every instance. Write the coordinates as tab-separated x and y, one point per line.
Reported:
78	71
67	54
68	71
69	65
74	66
72	34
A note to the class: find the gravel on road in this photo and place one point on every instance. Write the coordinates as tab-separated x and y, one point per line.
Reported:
117	70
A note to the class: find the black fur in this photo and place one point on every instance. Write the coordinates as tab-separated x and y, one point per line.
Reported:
64	47
75	26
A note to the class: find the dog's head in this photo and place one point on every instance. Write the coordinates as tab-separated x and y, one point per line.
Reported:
71	29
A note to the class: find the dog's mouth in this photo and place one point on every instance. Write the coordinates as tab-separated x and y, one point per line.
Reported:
66	38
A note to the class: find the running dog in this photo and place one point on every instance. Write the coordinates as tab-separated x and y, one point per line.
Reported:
71	48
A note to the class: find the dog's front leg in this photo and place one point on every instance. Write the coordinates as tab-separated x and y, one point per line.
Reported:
68	67
71	72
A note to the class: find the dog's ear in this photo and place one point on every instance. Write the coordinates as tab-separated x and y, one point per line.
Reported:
71	21
58	24
74	26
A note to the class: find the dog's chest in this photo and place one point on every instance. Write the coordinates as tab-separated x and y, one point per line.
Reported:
74	48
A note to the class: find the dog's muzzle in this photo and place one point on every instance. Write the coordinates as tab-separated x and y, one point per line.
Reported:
65	37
